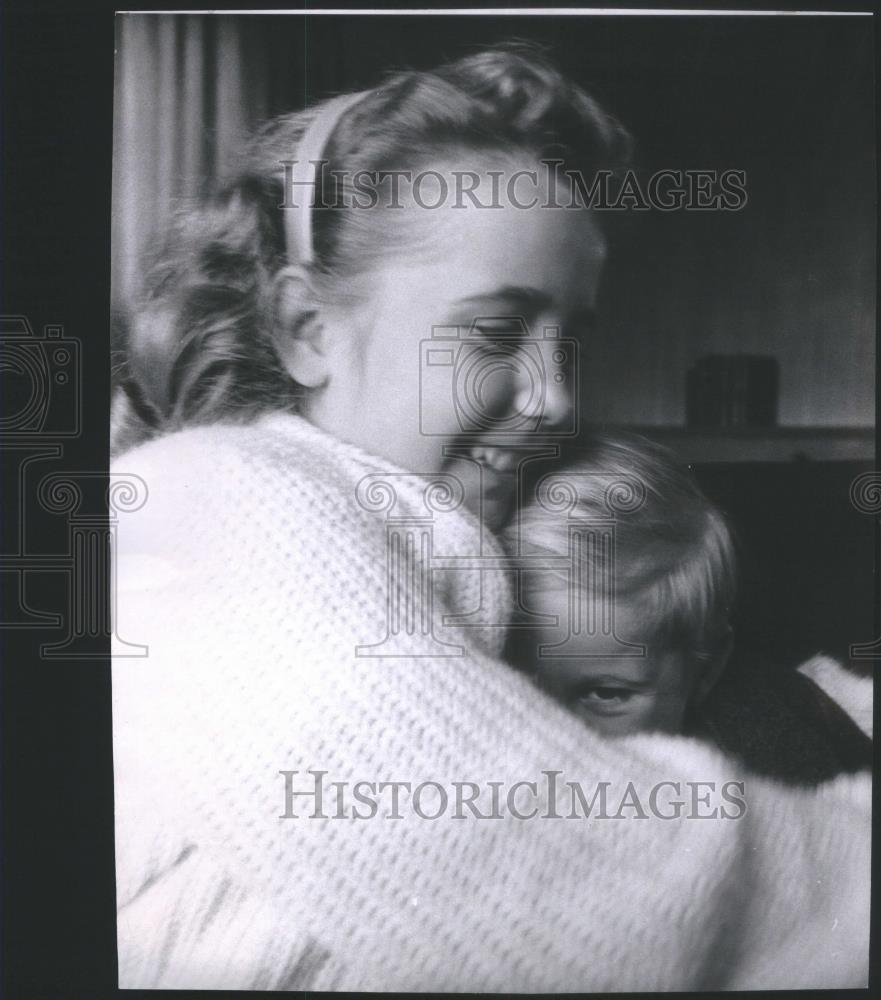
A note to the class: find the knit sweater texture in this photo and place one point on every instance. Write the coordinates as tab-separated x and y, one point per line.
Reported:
254	571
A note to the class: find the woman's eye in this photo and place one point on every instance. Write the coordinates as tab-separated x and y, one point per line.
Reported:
502	335
510	327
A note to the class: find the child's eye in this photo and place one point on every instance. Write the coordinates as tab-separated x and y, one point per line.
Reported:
605	698
607	693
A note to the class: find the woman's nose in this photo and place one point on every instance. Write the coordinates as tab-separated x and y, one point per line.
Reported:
546	391
559	399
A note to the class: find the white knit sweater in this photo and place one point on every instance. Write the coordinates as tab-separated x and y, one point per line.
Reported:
252	573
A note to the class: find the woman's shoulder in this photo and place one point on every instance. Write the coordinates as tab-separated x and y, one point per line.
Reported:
223	461
232	518
208	444
216	481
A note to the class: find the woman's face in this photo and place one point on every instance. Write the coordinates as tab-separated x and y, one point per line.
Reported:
448	346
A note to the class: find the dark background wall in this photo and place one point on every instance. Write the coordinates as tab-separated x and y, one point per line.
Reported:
788	100
806	557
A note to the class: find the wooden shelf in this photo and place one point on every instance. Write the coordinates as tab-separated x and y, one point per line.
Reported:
765	444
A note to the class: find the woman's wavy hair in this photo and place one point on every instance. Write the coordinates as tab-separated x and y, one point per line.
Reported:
199	345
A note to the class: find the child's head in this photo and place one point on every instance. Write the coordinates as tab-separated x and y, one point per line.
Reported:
235	323
665	583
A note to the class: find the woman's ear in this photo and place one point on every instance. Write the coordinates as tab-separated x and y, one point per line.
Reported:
297	330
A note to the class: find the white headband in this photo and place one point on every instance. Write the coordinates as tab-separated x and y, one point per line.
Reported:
304	175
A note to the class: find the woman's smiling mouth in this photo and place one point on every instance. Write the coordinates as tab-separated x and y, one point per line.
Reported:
499	460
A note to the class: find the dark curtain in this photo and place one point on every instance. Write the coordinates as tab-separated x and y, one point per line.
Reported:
182	101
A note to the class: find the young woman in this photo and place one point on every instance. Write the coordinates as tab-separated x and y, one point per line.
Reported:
326	777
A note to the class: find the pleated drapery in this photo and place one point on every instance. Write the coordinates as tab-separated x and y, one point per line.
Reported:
185	95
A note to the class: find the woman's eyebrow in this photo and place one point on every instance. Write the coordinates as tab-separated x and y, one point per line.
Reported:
529	300
613	680
532	299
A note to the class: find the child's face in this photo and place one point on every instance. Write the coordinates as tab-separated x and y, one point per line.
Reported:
384	394
613	694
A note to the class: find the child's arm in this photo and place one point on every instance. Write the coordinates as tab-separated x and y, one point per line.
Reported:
783	725
853	693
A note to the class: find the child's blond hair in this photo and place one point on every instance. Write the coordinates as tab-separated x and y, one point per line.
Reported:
673	550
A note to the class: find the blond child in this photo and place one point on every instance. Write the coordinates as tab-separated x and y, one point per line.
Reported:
633	633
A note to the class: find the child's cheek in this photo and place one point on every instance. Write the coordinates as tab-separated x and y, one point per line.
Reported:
668	712
617	725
